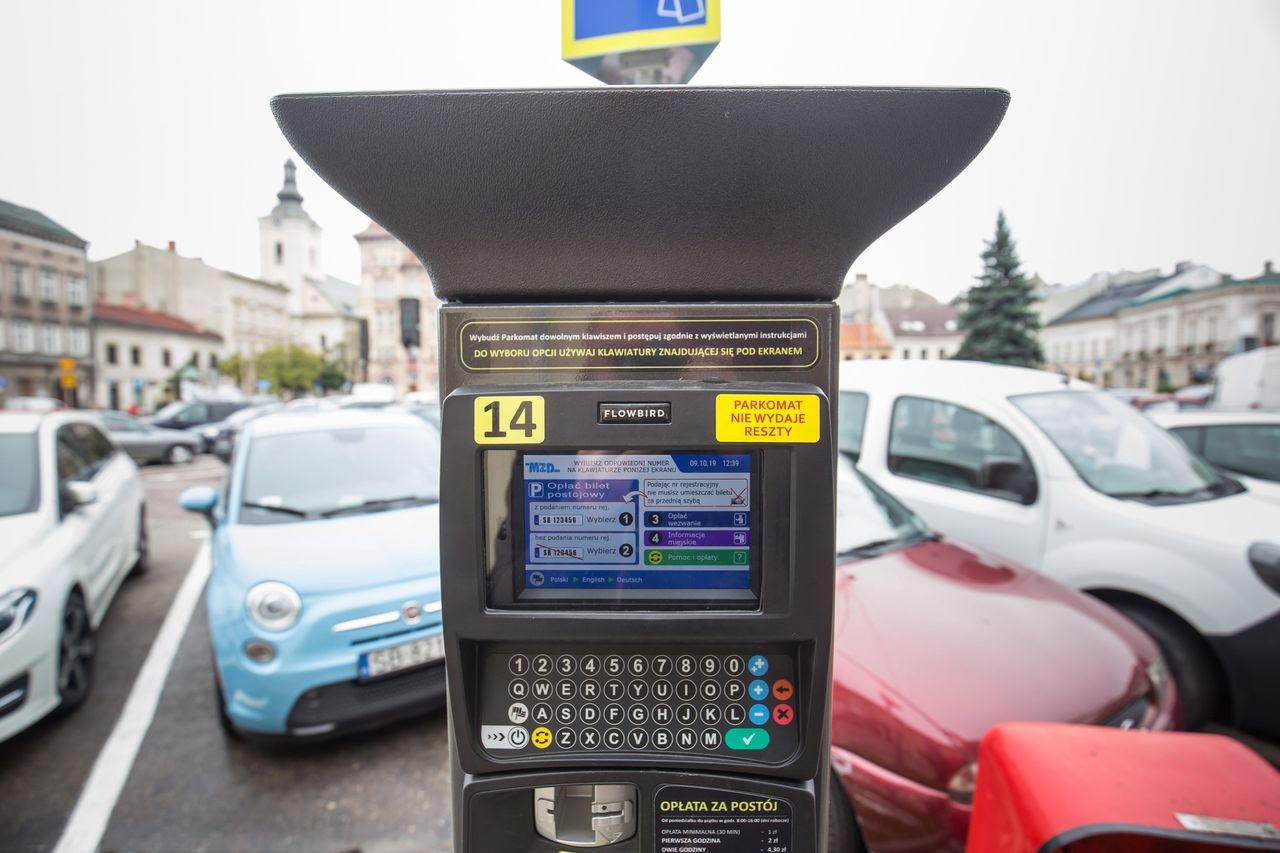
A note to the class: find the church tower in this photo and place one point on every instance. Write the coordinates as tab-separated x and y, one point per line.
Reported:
289	241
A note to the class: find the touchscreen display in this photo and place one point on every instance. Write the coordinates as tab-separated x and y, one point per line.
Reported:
644	522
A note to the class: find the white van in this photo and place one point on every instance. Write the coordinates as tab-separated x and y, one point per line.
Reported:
1250	380
1055	475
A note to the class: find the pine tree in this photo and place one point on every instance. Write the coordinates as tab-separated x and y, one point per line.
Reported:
1000	317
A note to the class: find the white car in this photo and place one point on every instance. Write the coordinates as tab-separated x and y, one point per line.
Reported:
1246	445
1053	474
72	527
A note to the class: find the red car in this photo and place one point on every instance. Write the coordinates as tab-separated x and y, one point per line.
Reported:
935	644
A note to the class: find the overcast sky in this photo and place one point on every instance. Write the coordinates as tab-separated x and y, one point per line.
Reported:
1141	132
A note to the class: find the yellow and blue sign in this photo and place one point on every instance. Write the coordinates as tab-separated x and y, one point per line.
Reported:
595	29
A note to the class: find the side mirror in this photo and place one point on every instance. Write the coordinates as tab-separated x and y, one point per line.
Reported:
77	494
1010	474
201	499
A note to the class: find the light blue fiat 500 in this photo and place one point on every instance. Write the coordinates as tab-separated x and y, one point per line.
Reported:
324	602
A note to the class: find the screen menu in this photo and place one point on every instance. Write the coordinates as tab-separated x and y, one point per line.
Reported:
637	521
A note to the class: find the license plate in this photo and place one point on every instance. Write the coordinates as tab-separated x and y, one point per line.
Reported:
404	656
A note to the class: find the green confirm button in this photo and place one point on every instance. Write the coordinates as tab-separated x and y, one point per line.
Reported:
696	557
746	738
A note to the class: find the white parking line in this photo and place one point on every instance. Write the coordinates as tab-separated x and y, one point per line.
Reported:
97	801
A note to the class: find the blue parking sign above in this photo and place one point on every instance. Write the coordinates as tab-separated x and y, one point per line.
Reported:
594	18
665	41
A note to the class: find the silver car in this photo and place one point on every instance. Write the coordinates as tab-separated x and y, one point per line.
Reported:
147	443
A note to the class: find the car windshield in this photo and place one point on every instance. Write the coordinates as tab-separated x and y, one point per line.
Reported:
1119	451
170	411
19	475
341	471
868	520
240	417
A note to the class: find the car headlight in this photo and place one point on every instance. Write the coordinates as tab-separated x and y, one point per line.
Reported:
210	432
961	786
273	606
15	610
1158	675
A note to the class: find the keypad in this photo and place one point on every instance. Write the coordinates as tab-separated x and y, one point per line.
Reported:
739	703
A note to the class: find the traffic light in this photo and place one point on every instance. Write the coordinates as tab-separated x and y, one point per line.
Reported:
410	328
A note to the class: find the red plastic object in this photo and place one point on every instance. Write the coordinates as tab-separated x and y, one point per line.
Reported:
1053	787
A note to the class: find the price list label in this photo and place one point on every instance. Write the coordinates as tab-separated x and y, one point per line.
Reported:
708	820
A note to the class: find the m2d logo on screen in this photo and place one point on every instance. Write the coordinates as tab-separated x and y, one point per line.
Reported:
594	18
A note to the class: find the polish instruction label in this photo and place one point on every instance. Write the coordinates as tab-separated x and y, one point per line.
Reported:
638	344
707	820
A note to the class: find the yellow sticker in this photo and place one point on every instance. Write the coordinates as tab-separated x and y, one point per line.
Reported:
541	737
780	418
510	420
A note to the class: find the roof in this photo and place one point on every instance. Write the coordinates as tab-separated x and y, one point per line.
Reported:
924	321
29	422
19	422
33	223
1110	301
287	423
1214	417
861	336
948	377
274	285
1265	280
342	295
374	232
140	318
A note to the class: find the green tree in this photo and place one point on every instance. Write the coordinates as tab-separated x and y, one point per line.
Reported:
290	368
233	367
1000	314
334	376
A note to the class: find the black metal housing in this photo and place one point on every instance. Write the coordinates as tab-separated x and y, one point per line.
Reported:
640	193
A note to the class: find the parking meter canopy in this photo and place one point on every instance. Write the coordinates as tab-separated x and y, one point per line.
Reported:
640	193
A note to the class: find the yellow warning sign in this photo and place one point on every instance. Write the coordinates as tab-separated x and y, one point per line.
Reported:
783	418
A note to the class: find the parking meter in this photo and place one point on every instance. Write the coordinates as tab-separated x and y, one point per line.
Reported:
638	363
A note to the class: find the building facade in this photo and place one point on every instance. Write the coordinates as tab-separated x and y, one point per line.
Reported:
249	314
45	309
1093	341
1175	335
389	273
925	331
140	354
323	310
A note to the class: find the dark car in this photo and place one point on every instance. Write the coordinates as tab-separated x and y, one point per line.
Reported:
220	438
197	413
145	442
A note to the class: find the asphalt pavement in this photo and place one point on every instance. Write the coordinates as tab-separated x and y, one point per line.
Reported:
192	787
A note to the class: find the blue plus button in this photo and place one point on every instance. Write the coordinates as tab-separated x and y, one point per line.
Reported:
758	690
758	666
758	714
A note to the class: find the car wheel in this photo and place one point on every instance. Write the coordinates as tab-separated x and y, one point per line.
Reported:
178	454
144	546
1190	662
76	651
842	830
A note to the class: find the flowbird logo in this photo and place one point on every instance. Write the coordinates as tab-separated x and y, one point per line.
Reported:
683	11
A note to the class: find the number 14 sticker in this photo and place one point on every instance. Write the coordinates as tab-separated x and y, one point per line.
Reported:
510	420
